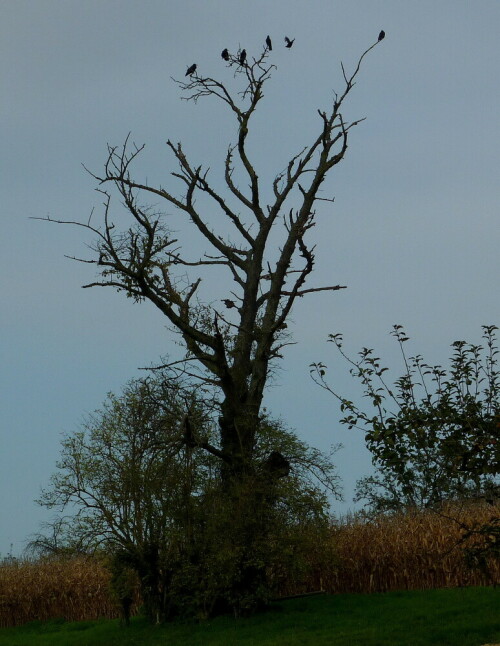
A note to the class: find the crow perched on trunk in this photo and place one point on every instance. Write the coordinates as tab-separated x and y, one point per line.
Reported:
225	54
269	43
381	36
191	70
289	42
243	56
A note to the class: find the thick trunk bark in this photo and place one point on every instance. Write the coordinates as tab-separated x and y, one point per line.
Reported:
238	431
248	487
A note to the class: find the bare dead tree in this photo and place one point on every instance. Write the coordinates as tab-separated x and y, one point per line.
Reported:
231	351
231	345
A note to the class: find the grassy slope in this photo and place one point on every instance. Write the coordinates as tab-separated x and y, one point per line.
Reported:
458	617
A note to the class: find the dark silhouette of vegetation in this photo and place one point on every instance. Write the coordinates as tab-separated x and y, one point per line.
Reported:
154	501
434	435
265	252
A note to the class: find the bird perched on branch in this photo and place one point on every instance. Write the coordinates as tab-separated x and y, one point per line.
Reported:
228	303
225	54
191	70
381	36
289	42
269	43
243	56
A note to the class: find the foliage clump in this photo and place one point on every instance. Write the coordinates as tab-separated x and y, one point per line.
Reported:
158	505
435	434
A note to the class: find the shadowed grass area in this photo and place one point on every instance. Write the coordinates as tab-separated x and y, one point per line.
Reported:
458	617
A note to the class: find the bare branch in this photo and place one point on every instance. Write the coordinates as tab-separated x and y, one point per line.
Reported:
230	351
302	292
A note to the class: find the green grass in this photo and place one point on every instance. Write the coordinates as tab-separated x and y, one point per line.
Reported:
458	617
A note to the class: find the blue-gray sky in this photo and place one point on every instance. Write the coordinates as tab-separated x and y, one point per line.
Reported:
414	231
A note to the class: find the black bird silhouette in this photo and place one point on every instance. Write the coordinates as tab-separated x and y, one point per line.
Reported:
289	42
228	303
225	54
243	56
381	36
269	43
191	70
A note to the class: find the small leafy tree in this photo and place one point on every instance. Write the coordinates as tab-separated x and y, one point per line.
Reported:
130	478
143	493
434	435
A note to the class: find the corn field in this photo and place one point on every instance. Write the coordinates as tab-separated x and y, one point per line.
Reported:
413	551
416	550
76	589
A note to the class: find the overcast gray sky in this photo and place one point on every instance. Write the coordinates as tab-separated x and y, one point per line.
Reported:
414	231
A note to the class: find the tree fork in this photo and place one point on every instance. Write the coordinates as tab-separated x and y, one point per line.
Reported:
228	353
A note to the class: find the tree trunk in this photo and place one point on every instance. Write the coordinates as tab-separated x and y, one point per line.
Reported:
238	425
248	489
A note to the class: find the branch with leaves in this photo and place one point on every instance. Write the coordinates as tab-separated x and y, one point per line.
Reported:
435	433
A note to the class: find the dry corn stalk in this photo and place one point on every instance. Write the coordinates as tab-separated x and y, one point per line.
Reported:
75	589
416	550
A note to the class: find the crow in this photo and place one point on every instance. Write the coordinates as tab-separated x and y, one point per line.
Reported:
381	36
225	54
191	70
289	42
243	56
269	44
228	303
